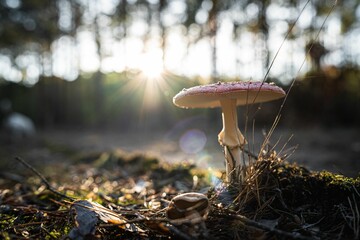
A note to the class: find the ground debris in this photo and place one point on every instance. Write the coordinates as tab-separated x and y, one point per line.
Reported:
127	196
85	220
315	205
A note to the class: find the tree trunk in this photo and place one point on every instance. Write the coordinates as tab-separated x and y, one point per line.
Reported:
213	27
98	78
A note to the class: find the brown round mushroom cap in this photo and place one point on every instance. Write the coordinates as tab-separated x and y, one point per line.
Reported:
188	207
208	96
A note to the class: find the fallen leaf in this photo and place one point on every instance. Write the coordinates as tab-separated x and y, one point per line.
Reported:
85	220
90	209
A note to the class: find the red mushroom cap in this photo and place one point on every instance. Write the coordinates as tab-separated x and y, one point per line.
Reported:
208	96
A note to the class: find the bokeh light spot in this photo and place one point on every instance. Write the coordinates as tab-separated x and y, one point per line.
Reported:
193	141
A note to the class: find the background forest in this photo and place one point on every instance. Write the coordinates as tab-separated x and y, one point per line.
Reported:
120	62
86	112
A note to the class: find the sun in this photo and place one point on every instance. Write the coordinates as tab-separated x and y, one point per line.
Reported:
149	82
151	64
151	75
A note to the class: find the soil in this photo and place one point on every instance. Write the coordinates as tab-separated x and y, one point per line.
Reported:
336	150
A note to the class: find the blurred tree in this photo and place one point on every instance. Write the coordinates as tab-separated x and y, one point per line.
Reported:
33	26
33	31
161	6
316	51
27	26
205	15
30	27
25	22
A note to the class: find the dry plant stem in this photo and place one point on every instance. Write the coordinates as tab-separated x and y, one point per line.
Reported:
292	83
232	140
43	179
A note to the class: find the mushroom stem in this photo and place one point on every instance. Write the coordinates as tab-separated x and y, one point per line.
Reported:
231	139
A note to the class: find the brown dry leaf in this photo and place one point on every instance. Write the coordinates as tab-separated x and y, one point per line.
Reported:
85	220
104	214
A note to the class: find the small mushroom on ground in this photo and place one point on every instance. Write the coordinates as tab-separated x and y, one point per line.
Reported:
189	208
228	95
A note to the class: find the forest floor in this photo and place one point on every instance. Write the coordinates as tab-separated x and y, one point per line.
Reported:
119	184
336	150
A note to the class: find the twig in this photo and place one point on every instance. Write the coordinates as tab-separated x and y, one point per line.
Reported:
47	232
136	220
43	179
251	223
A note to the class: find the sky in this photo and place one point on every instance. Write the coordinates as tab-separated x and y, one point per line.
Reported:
236	58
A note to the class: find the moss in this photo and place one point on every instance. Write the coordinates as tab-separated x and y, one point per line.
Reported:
5	235
337	180
297	197
303	186
29	222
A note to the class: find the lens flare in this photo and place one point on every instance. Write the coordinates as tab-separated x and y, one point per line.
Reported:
193	141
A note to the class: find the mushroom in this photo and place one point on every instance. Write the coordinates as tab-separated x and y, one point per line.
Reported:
189	207
228	95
